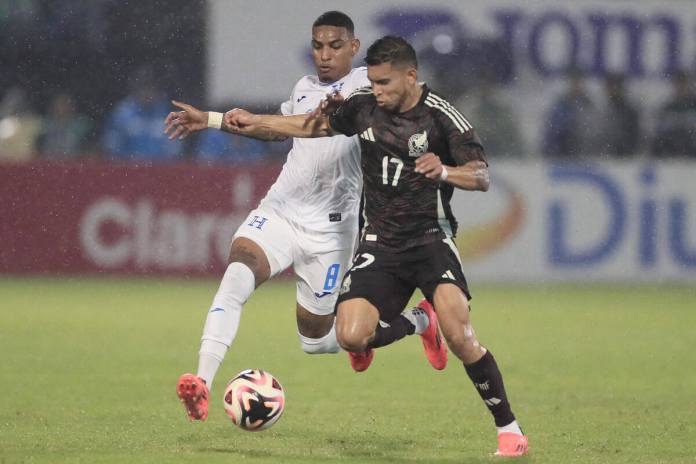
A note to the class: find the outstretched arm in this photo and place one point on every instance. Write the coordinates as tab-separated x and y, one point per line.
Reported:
301	125
180	124
258	133
470	176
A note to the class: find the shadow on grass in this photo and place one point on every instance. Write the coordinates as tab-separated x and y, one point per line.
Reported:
344	455
359	451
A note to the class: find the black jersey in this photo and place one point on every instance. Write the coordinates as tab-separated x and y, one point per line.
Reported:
404	209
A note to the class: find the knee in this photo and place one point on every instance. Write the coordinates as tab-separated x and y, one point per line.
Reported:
460	340
454	322
464	344
352	340
356	323
354	346
251	255
458	331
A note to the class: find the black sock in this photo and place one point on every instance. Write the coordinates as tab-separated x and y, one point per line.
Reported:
489	383
398	329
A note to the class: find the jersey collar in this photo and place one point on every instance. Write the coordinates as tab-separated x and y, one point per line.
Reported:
426	91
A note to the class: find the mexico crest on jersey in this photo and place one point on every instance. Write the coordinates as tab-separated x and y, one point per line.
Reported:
418	144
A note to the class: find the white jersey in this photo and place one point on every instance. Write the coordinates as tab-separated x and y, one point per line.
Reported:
320	185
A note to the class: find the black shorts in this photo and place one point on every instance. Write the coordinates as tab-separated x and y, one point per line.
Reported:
388	280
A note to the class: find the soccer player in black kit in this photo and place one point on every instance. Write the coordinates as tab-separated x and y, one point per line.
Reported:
416	148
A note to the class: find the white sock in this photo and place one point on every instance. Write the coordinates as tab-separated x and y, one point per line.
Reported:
326	344
209	359
222	321
511	427
418	318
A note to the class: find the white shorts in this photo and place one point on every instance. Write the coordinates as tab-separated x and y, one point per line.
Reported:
318	259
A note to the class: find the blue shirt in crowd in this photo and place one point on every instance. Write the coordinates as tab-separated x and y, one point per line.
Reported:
134	131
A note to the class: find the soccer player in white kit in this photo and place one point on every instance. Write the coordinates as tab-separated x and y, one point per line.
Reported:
308	219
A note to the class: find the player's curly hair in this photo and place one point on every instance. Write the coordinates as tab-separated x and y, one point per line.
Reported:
391	49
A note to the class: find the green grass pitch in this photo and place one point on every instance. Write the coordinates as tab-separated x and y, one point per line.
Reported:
595	374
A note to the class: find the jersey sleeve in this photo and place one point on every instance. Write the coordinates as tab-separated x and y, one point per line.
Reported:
464	143
286	108
345	118
361	81
466	147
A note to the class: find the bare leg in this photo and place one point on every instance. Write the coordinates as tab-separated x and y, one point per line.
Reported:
249	253
312	325
452	310
356	322
453	313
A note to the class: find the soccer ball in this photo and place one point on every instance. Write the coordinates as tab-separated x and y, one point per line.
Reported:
254	400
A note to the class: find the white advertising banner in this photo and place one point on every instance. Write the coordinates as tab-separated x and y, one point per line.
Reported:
258	50
632	222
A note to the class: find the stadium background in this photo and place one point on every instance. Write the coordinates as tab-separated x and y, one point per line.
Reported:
583	262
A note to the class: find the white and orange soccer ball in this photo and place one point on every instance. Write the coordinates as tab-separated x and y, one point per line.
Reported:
254	400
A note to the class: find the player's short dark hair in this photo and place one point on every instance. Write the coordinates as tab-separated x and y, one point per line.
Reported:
391	49
335	18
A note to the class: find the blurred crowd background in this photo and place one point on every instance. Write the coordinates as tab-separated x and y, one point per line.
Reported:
93	80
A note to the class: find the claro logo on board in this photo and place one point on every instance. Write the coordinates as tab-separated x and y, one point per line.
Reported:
115	233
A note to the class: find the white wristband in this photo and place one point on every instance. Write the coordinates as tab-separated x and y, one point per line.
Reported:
214	120
444	174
